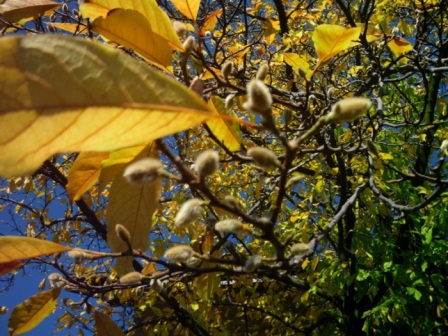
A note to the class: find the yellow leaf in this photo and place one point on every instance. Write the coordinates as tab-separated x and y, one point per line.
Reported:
10	266
297	61
205	285
226	131
330	40
84	173
133	207
210	22
31	312
67	94
399	46
189	8
272	27
73	28
131	29
105	326
20	248
160	22
16	10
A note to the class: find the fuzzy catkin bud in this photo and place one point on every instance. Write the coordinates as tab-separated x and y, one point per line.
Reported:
55	277
124	235
78	256
230	101
228	226
146	170
180	28
444	147
262	72
232	200
180	253
131	278
227	69
156	285
207	163
190	211
348	109
259	97
252	263
264	157
188	45
300	248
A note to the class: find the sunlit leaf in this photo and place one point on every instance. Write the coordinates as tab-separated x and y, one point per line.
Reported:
210	22
132	30
84	173
297	61
31	312
189	8
10	266
227	132
17	10
330	40
73	28
20	248
105	326
399	46
107	101
133	207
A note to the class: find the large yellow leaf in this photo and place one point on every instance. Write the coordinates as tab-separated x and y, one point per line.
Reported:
297	61
330	40
20	248
226	131
105	326
131	29
133	207
399	45
17	10
65	94
157	18
84	173
31	312
189	8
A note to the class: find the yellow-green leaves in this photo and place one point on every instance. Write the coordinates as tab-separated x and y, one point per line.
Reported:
133	207
330	40
28	314
17	10
20	248
66	94
189	8
105	326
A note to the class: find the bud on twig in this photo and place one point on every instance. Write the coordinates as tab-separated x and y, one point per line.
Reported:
207	163
232	200
230	101
124	235
226	70
188	45
259	97
190	211
252	263
131	278
262	72
300	249
228	226
180	253
146	170
180	28
264	157
348	109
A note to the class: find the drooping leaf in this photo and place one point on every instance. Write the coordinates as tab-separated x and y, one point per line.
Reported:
210	22
398	45
10	266
84	173
189	8
105	326
17	10
330	40
31	312
131	29
132	206
297	61
226	131
67	94
160	23
20	248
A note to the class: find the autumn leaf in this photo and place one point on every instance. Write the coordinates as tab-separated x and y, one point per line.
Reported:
31	312
226	131
135	213
105	326
17	10
189	8
398	45
297	61
210	22
10	266
330	40
73	28
84	173
107	101
20	248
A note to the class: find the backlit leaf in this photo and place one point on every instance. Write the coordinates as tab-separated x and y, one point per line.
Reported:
297	61
189	8
330	40
73	28
17	10
19	248
84	173
399	46
226	131
210	22
105	326
133	207
108	101
10	266
31	312
131	29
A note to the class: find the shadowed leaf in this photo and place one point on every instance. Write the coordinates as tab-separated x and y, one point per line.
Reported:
105	326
